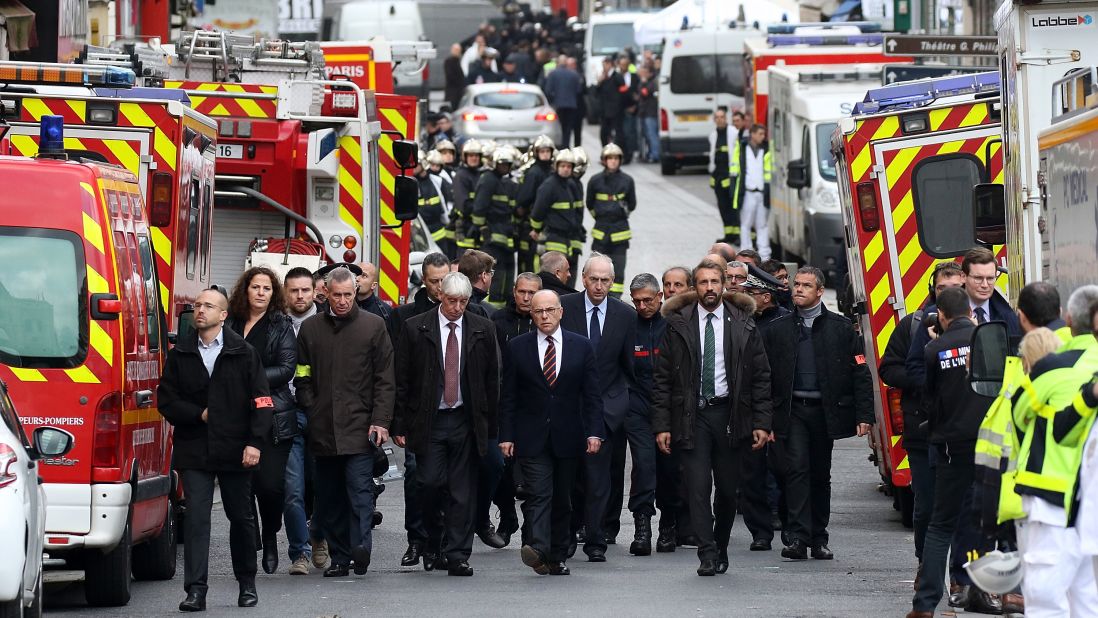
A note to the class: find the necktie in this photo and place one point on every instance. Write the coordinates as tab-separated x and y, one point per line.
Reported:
709	360
594	333
451	389
549	365
981	316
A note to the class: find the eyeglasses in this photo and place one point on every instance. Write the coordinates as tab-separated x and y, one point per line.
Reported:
549	311
984	280
738	277
208	307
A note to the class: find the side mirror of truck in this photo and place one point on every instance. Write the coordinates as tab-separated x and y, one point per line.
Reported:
987	358
406	198
989	214
405	153
797	175
51	442
185	326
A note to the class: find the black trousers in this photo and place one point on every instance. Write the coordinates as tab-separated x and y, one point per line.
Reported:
953	476
345	488
571	125
611	524
757	466
613	130
671	494
730	217
617	253
547	508
448	472
236	497
808	474
413	511
504	279
714	460
504	499
269	485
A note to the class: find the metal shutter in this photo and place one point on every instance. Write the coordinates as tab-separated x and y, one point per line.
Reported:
233	231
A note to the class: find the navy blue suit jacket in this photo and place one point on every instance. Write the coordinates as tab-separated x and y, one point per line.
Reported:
536	417
615	350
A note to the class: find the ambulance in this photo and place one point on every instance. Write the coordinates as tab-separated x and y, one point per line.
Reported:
908	161
81	345
151	132
806	104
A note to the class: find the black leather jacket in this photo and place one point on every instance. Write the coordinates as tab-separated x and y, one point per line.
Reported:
279	357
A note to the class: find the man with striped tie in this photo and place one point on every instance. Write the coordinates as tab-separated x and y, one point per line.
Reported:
550	416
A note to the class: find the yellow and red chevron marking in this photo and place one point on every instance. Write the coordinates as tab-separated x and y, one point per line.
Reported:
395	241
218	104
165	130
124	153
350	183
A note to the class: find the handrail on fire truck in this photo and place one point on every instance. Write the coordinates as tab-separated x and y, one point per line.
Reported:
148	60
229	54
1074	93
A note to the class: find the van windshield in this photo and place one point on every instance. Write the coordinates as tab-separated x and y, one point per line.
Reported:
708	73
825	160
611	38
43	313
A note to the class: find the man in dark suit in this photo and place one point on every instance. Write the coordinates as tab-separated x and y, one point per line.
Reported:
711	398
550	416
611	325
447	376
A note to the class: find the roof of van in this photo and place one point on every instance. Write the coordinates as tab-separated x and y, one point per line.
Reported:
616	17
728	40
817	98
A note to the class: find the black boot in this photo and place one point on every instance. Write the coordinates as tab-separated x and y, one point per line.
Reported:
642	539
666	541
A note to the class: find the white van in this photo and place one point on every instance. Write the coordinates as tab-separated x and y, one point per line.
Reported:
702	70
607	34
806	103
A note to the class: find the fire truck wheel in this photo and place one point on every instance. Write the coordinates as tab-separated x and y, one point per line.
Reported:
107	575
907	506
667	166
155	559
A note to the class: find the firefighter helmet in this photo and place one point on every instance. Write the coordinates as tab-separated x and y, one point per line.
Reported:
543	141
564	156
472	146
581	161
445	144
996	572
422	161
611	150
504	155
434	157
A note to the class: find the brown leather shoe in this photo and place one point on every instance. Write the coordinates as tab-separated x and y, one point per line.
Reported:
1014	603
915	614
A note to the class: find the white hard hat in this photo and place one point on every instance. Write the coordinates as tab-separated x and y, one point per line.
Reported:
996	572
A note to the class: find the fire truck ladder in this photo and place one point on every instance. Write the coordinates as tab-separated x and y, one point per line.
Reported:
230	56
146	61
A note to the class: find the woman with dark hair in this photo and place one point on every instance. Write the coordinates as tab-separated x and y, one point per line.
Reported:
256	312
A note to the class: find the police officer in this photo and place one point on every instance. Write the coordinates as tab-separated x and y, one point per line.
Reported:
431	207
493	213
464	188
611	197
552	215
722	140
542	150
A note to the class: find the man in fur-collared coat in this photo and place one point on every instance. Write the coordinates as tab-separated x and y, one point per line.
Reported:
711	400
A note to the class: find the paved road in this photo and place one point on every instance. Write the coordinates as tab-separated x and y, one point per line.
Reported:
871	576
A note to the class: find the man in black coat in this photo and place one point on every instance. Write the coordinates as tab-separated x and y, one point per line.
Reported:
611	325
822	392
447	386
711	400
550	416
556	272
455	77
214	393
611	94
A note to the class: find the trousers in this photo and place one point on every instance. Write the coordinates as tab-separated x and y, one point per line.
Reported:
808	475
757	466
754	215
671	494
617	254
236	497
714	460
953	474
730	217
269	485
547	507
1059	577
448	473
922	485
504	279
344	485
571	124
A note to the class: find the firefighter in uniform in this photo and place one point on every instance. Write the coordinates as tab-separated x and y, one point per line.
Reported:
494	213
464	188
752	168
611	197
445	189
431	207
722	140
552	218
576	243
543	150
449	156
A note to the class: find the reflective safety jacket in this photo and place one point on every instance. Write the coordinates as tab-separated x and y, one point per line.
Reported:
610	198
461	215
494	209
738	168
1047	468
431	208
554	214
997	447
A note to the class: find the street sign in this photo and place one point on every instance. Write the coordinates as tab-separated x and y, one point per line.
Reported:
931	45
896	73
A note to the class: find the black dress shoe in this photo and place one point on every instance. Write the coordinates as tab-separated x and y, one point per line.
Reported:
981	602
958	595
195	602
760	545
558	568
506	529
611	539
796	550
270	556
722	561
708	568
248	596
431	561
491	538
460	569
581	535
411	557
688	541
597	554
337	570
821	552
534	559
572	547
665	542
361	556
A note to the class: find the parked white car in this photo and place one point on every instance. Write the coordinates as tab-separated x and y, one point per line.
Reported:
22	500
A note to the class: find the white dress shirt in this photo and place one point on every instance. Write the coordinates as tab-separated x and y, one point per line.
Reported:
986	306
444	333
589	307
543	343
720	378
212	351
753	168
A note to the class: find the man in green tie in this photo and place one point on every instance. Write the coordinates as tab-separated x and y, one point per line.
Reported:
711	400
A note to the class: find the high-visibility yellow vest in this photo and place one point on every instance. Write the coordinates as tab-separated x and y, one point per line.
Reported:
997	443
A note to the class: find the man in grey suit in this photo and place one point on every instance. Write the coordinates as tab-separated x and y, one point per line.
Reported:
611	326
